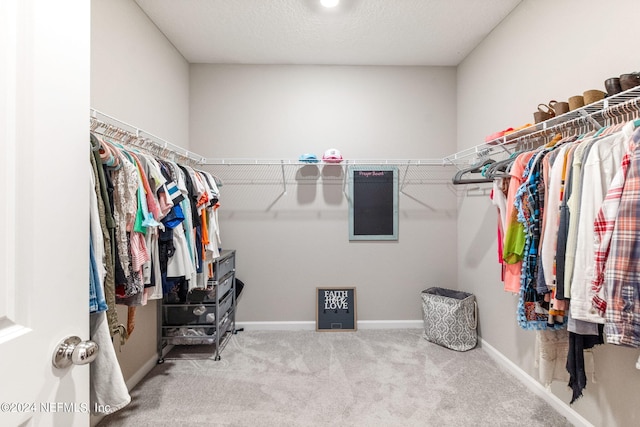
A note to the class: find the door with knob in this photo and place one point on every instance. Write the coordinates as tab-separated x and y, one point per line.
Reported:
74	351
44	213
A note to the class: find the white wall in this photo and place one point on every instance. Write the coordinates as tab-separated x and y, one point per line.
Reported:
282	111
289	244
137	76
544	50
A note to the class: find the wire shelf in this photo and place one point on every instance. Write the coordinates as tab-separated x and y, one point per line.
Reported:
246	171
294	172
594	115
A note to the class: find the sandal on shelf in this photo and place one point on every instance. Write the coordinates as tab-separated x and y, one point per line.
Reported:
627	81
545	112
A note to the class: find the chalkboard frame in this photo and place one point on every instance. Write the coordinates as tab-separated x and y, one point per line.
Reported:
327	320
353	196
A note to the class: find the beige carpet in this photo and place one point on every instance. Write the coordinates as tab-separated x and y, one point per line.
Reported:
307	378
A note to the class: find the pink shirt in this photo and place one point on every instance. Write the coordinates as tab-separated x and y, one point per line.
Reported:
514	233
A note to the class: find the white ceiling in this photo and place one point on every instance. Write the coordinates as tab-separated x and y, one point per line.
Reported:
358	32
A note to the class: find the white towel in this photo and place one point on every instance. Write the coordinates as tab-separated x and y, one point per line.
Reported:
108	391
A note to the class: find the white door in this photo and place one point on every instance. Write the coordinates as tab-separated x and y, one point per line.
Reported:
44	119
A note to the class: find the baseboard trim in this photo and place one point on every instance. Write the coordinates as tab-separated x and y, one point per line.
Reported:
569	413
145	369
277	326
304	325
390	324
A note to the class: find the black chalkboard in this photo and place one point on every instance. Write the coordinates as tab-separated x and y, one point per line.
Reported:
373	211
336	309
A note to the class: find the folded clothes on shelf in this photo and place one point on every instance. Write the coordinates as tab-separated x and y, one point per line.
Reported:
504	132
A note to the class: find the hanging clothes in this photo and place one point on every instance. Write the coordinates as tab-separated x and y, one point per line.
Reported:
604	225
97	270
557	195
144	219
514	238
622	295
573	204
533	306
604	159
580	360
551	351
551	218
158	208
106	235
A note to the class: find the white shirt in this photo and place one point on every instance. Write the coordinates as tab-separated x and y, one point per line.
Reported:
551	218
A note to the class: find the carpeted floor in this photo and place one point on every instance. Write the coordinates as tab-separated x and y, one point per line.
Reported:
308	378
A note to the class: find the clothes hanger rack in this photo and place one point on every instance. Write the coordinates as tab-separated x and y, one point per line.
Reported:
615	110
622	105
135	138
459	179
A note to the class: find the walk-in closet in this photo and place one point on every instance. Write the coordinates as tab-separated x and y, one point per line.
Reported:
221	142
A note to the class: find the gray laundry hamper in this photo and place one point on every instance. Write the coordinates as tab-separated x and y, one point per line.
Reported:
450	318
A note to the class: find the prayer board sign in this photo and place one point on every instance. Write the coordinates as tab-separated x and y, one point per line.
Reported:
373	203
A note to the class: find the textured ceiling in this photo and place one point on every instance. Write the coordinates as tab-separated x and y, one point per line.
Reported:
358	32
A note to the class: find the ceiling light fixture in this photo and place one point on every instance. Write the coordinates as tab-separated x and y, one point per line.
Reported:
329	3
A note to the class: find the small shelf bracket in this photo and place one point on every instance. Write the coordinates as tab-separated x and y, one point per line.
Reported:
590	118
284	178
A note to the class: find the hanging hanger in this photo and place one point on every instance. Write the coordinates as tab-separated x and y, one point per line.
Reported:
608	127
475	168
632	111
94	124
583	127
627	112
636	120
622	113
617	117
131	144
603	127
500	168
572	128
562	128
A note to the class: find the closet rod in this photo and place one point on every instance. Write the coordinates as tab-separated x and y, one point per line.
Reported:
296	162
159	143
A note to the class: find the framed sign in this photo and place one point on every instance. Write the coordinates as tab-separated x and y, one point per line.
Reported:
336	309
373	208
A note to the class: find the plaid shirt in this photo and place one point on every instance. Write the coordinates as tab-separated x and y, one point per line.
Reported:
622	325
603	228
